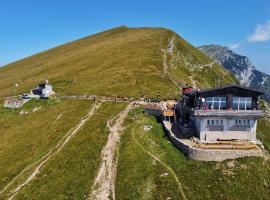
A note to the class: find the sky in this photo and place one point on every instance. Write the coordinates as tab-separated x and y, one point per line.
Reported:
31	26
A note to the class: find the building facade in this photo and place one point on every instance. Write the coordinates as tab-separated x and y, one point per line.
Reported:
44	90
226	113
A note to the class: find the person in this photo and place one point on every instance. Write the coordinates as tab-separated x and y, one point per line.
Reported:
203	103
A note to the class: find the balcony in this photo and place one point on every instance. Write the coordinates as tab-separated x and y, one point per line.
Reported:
240	128
229	113
215	127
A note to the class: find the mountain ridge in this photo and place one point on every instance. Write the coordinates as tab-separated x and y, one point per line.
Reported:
100	63
58	142
240	66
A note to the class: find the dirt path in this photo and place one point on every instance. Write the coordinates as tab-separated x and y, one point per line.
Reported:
165	52
104	185
60	145
179	184
194	85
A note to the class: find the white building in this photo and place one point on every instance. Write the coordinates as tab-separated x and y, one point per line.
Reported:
227	113
44	90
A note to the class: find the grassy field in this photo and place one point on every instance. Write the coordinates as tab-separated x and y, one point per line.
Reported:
70	174
140	176
101	63
26	138
263	129
123	62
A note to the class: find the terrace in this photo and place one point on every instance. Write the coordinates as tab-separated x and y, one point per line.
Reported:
228	113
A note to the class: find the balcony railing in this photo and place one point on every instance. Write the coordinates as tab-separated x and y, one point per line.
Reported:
229	113
215	127
239	128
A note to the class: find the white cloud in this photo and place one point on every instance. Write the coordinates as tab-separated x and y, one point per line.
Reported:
234	46
261	33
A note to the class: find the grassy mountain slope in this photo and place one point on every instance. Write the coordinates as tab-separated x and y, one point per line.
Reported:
26	138
264	126
122	61
141	176
127	62
70	174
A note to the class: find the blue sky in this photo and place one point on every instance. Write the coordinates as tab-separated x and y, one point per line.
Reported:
30	26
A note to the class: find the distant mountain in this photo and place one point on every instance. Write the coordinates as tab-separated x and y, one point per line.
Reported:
240	66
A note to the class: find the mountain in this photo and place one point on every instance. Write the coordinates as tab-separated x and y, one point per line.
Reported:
69	148
240	66
147	60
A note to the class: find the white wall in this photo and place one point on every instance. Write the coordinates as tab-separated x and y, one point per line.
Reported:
208	136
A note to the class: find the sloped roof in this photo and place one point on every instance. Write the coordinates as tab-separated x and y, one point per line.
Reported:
227	87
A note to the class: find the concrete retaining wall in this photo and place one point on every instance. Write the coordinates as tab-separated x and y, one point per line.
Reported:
209	154
220	155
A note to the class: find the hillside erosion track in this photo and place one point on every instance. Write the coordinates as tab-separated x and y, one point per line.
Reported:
104	185
141	101
179	184
165	52
45	159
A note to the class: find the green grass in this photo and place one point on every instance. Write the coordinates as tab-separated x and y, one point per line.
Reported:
263	127
26	138
70	174
122	61
264	132
139	176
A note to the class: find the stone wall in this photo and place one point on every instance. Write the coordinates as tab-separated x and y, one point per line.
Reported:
220	155
13	103
209	154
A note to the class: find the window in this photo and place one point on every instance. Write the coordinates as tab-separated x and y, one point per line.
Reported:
214	122
248	103
242	103
216	102
242	122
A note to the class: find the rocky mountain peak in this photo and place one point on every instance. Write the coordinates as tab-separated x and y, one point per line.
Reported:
240	66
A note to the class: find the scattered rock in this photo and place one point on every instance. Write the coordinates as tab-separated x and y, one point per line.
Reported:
147	128
36	109
59	116
165	174
23	112
231	164
244	166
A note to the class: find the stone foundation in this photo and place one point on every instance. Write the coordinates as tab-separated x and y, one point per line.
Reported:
202	154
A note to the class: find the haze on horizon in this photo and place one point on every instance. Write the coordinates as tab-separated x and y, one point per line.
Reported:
30	26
